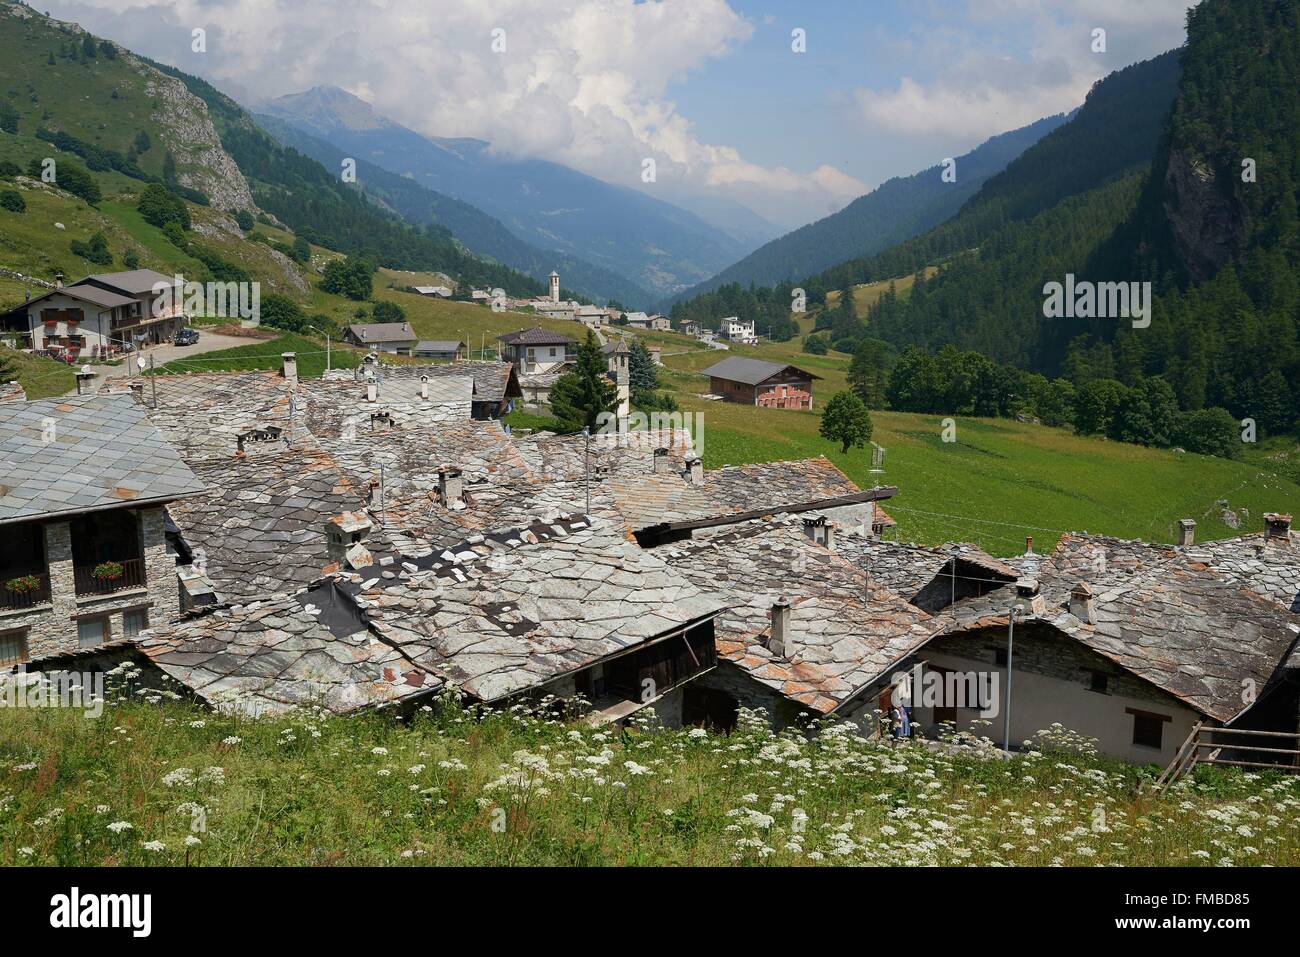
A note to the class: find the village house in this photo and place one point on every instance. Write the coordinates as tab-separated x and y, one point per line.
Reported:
434	292
84	482
738	330
443	350
660	323
395	337
637	320
593	317
96	316
536	350
769	385
539	357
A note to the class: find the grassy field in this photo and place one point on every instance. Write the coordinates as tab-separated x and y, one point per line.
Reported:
40	377
168	784
266	353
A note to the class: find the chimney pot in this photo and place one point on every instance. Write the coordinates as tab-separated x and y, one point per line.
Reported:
695	470
1186	532
1082	605
372	391
424	387
450	486
780	642
661	461
1277	528
1029	545
1030	597
289	368
343	532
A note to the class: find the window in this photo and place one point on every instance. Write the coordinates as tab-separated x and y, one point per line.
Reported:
1098	682
134	622
13	648
92	632
1148	728
552	352
1000	657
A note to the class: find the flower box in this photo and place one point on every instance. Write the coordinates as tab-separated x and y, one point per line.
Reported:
108	571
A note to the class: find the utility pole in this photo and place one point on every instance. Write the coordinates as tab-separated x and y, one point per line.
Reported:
1011	640
153	382
586	460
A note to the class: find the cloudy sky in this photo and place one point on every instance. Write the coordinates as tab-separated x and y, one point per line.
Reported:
711	89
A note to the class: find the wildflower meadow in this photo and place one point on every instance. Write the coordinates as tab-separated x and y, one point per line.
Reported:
163	782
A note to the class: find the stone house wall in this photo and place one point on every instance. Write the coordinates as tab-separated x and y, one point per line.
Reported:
52	629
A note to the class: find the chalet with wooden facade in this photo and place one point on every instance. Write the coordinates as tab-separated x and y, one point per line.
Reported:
97	316
770	385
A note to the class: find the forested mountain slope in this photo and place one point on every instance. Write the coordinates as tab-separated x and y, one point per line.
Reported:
896	211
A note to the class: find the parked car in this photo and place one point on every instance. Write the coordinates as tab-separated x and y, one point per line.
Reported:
186	337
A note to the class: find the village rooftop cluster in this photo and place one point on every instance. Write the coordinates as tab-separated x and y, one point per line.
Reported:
377	536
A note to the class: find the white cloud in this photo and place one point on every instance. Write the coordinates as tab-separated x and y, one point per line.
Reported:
581	82
978	88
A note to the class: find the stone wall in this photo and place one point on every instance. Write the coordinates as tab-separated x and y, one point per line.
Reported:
751	694
52	629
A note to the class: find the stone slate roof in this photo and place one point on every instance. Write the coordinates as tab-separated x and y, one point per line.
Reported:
202	413
750	371
499	487
504	612
382	332
845	634
650	499
1159	613
1269	569
133	282
331	408
82	453
492	380
563	457
91	294
536	336
276	655
906	568
439	345
260	529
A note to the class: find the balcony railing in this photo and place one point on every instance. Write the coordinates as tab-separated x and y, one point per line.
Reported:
88	584
27	597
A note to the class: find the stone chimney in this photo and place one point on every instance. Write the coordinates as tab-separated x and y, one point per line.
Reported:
372	390
1081	603
344	531
424	387
58	280
381	421
451	486
1277	528
137	392
819	530
1186	532
1029	597
1029	544
695	470
662	463
780	642
289	368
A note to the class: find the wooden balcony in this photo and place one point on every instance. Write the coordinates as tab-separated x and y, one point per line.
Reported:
88	584
28	597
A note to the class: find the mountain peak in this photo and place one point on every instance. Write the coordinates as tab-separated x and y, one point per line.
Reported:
329	108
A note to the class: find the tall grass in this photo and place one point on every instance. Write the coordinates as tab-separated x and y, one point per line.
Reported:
163	782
